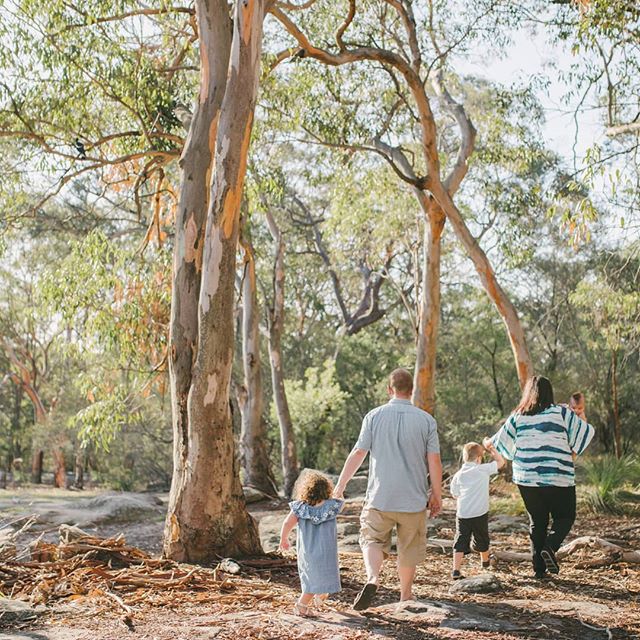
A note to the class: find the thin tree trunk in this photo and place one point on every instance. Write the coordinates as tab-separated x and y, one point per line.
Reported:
253	438
490	283
289	455
617	428
59	472
15	427
36	466
78	480
441	190
424	388
207	516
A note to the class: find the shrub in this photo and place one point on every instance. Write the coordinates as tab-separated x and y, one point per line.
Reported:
606	475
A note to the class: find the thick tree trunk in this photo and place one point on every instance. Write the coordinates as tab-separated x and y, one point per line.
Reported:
36	466
289	455
253	438
424	388
617	428
207	516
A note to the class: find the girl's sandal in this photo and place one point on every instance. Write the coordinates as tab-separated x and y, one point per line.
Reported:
319	601
302	610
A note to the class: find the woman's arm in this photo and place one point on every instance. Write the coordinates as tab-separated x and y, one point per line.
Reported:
579	432
289	523
505	440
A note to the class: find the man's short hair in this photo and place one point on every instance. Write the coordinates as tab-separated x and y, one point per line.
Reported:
401	381
472	451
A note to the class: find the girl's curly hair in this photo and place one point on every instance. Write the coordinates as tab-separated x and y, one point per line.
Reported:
313	488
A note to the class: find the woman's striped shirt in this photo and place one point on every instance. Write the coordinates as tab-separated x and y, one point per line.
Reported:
541	445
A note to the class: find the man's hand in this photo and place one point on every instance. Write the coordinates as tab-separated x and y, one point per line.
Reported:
435	505
284	544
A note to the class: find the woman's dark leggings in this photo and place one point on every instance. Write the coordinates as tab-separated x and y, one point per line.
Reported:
541	503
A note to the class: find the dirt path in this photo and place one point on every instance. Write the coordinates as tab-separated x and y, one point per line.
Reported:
589	604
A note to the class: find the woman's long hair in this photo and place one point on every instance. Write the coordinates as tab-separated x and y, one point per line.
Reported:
536	397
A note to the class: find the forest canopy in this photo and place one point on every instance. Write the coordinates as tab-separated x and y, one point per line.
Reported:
235	220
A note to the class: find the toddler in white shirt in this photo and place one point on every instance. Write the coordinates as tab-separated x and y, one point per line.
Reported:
470	486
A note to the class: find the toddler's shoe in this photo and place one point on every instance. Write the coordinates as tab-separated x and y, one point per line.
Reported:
456	575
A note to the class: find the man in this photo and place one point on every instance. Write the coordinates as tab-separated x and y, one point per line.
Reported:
405	455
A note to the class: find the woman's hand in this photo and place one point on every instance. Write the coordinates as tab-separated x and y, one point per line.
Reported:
284	545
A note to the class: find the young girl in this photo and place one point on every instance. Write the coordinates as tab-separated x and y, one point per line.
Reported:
315	512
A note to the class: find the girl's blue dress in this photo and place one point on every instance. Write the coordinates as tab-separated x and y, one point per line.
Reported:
317	545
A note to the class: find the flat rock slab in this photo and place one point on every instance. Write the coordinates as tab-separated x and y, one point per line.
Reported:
18	610
484	583
505	523
105	508
584	608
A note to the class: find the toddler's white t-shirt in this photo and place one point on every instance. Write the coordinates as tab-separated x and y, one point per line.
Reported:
470	485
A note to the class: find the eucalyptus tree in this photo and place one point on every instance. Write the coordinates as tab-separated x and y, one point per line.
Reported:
253	438
206	514
406	46
601	83
117	114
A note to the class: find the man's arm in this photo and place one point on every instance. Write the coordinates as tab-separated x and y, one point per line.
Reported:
351	465
434	463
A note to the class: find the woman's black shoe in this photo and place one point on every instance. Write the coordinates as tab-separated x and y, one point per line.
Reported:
541	575
550	560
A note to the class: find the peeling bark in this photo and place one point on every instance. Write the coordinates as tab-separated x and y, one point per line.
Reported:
253	438
207	516
289	454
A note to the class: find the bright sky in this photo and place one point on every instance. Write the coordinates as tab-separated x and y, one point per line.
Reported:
531	55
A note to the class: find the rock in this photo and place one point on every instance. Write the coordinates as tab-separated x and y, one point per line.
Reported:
349	543
585	608
357	487
102	509
507	523
252	495
269	531
228	565
449	615
18	610
484	583
348	528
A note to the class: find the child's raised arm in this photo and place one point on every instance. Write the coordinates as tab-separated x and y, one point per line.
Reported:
289	523
496	456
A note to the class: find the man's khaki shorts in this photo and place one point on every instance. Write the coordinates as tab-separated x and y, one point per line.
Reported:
376	528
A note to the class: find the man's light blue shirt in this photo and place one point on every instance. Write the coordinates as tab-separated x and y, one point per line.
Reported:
398	437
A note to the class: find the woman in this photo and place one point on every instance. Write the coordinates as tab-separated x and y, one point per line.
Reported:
542	439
